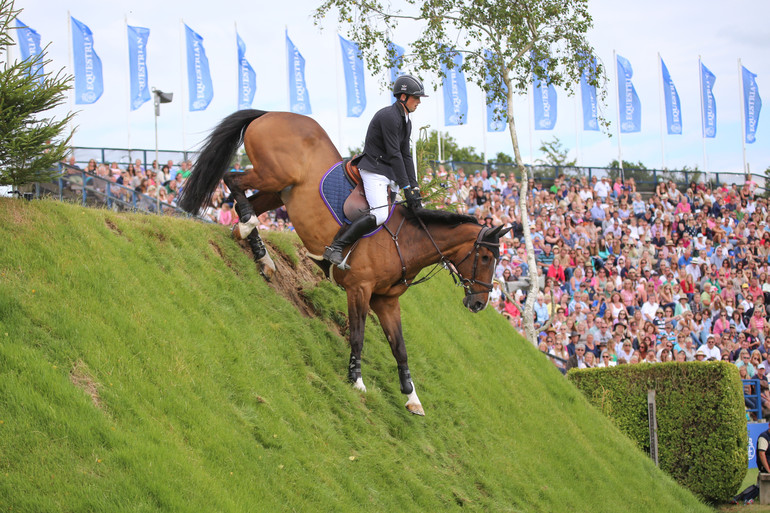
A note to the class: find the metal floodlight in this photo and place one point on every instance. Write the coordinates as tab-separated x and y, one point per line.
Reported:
159	97
164	97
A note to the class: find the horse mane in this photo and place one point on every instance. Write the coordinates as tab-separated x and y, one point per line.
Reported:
443	217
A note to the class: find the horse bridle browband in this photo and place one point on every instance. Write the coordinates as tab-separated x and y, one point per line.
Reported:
450	266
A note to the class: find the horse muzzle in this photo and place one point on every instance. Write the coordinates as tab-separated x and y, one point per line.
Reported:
473	304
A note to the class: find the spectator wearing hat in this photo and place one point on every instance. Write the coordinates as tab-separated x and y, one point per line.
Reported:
700	355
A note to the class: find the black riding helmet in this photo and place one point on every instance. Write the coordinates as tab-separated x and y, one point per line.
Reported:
409	85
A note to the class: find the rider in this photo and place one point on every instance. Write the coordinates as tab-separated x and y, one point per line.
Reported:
385	164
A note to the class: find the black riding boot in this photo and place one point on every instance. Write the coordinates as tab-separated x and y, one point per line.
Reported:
347	236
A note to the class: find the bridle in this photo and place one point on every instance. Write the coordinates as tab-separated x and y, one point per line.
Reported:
447	263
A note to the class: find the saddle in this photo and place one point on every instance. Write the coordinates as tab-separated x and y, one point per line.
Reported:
351	170
355	205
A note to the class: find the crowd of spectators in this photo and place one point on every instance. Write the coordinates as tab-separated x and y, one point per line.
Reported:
165	183
677	274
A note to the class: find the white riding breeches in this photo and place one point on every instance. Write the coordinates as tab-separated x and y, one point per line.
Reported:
376	189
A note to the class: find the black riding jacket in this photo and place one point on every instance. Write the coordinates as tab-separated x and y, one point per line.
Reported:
386	149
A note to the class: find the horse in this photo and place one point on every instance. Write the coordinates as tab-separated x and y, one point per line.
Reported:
289	154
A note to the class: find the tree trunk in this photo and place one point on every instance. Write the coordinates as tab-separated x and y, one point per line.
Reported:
528	318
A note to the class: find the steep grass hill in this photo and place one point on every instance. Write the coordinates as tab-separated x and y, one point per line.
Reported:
146	366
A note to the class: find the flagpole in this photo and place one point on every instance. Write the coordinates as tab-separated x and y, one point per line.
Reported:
338	65
702	117
238	67
741	101
72	63
484	124
530	122
617	105
128	110
577	132
182	76
662	113
439	125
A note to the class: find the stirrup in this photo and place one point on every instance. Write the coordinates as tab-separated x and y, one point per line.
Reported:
342	264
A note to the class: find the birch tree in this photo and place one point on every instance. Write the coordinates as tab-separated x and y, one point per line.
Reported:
504	44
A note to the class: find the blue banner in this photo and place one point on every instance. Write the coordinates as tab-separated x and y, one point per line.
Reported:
353	65
709	107
88	66
137	66
29	44
200	88
588	97
455	95
497	111
247	78
671	100
628	100
752	104
395	70
754	430
299	100
544	96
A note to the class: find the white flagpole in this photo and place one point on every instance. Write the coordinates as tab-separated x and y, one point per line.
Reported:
439	125
577	131
72	63
530	123
238	67
743	115
182	77
338	62
484	124
662	114
702	117
128	110
617	104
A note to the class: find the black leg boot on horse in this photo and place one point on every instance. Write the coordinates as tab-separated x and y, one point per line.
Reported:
347	236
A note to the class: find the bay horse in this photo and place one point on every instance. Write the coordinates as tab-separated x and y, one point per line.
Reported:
290	153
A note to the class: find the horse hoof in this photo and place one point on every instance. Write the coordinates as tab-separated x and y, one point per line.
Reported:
415	409
359	385
236	233
266	267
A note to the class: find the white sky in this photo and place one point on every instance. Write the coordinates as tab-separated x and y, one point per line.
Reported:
719	31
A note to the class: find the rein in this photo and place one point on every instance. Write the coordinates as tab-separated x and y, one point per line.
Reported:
450	266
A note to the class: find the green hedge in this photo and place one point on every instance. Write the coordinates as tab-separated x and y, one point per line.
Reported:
702	437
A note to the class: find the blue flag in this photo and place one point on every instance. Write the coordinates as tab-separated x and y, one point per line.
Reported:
630	106
299	100
88	66
353	65
29	44
544	96
588	97
671	100
709	107
455	95
247	78
497	111
395	71
201	90
137	64
752	104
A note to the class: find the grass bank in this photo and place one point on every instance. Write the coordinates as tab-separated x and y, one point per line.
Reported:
146	366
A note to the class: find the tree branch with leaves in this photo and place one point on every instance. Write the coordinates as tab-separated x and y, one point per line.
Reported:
31	144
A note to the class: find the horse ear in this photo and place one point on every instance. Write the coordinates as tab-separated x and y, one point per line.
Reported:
500	235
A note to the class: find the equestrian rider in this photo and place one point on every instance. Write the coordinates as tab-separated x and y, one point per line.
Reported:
386	164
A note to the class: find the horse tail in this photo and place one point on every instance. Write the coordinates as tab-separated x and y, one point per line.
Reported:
215	157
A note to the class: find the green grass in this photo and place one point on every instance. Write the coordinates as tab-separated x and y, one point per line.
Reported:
146	366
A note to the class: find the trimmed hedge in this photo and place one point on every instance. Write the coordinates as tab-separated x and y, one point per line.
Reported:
702	437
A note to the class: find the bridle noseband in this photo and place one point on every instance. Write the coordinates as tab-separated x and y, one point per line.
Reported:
458	278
